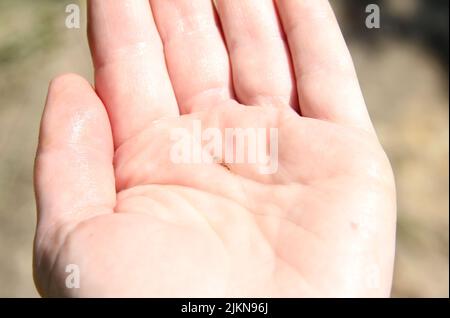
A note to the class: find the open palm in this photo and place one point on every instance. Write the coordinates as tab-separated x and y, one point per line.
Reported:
113	202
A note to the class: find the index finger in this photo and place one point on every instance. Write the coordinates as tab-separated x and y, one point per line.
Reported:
130	71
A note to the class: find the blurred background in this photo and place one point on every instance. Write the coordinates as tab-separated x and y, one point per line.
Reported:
403	69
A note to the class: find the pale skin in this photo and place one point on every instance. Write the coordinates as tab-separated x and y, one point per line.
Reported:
112	202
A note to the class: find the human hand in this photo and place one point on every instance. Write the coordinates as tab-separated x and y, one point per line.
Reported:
111	200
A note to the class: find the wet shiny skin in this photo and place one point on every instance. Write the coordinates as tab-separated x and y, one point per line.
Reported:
111	201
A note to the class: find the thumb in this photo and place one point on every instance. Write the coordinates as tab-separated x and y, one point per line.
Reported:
74	175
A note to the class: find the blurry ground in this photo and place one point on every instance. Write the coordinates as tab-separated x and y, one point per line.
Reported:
403	70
